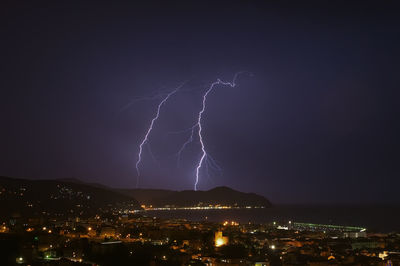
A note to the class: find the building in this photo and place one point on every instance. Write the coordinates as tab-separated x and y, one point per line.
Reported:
219	239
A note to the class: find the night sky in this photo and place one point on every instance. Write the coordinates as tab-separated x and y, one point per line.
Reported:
317	122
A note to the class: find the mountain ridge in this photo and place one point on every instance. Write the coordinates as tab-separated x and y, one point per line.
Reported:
188	198
48	190
27	197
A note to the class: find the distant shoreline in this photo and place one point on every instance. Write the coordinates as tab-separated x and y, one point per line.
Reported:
370	217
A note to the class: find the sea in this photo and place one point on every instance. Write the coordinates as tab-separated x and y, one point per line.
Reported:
378	218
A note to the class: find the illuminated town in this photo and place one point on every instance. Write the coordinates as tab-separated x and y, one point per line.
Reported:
77	224
125	237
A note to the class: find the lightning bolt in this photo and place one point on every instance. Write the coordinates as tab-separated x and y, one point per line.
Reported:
205	159
187	142
204	156
146	137
151	97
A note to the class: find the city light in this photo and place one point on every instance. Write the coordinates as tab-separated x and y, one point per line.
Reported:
219	242
219	239
232	223
20	260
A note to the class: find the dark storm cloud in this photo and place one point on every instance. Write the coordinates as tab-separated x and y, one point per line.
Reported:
318	121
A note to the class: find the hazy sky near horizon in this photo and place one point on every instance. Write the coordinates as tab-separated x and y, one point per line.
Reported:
317	122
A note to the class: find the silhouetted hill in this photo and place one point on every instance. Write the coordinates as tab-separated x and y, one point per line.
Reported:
186	198
146	196
78	181
50	197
